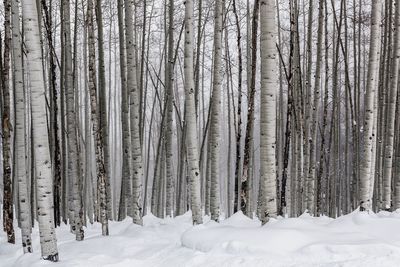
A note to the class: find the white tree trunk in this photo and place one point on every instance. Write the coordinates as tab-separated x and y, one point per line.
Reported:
315	114
126	141
104	124
215	113
44	181
391	109
20	130
73	156
100	167
269	87
191	133
309	184
169	80
367	147
134	112
8	211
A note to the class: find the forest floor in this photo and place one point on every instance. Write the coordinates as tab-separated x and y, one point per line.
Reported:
356	239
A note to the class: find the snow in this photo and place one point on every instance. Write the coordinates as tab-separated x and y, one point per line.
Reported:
356	239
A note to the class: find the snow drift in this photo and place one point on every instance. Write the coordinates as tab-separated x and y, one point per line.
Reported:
356	239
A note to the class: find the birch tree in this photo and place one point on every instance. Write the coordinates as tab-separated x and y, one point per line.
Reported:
8	212
44	182
215	112
20	130
134	112
269	85
97	132
73	155
367	147
169	79
126	141
390	116
102	103
191	133
248	143
239	109
315	112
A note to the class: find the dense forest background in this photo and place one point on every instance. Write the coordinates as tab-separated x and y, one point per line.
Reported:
121	108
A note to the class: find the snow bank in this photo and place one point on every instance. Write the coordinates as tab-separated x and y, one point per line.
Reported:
357	239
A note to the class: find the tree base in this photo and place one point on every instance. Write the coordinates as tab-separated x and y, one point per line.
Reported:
53	258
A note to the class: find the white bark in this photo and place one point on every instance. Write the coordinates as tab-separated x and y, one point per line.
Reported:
104	124
269	87
315	114
367	147
134	112
125	196
391	109
100	167
20	130
44	181
309	184
169	80
191	133
73	156
215	113
8	211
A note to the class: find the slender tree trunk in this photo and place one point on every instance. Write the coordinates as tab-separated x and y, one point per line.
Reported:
239	108
55	146
287	138
169	79
134	113
244	198
8	211
269	86
391	110
97	132
126	141
44	181
319	208
73	155
20	131
309	185
315	111
197	63
396	173
215	113
191	133
373	65
103	105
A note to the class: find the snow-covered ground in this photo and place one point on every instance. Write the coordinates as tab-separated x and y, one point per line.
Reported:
357	239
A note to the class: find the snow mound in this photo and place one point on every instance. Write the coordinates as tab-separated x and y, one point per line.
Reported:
354	240
240	220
